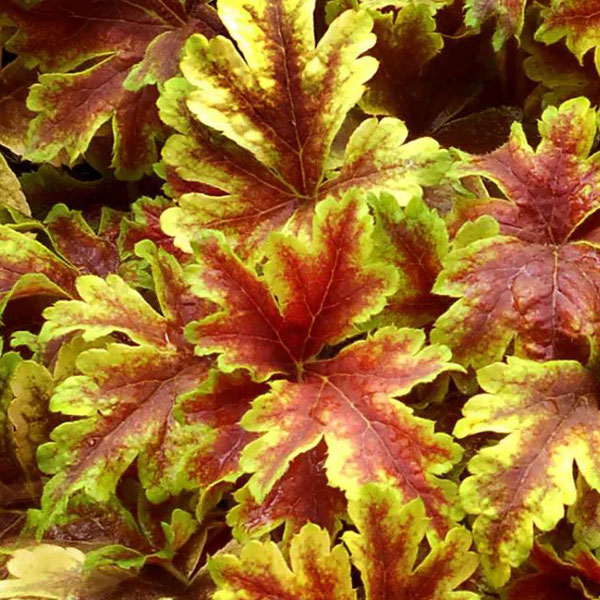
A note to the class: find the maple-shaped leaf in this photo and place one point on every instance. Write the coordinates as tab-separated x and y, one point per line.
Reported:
313	296
549	412
258	124
125	393
387	544
316	570
557	579
576	20
528	277
111	55
415	241
508	14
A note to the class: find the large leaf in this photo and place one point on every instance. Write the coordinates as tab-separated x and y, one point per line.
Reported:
528	278
323	291
125	393
105	71
278	103
549	413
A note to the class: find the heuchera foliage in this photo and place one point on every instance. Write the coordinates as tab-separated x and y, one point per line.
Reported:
300	299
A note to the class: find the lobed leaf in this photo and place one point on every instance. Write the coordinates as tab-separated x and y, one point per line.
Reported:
548	413
278	103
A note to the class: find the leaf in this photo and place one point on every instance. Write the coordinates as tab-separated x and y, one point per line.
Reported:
277	119
105	72
406	42
350	402
302	495
79	244
528	278
584	514
387	545
322	291
211	446
575	20
559	73
548	412
15	80
415	241
54	572
10	189
312	296
384	550
143	224
261	571
29	268
125	393
509	16
32	386
556	579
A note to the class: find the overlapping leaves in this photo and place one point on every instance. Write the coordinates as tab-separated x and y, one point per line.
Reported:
384	550
309	299
528	276
112	54
257	124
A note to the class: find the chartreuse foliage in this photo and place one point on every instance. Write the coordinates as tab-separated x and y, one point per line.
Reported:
351	352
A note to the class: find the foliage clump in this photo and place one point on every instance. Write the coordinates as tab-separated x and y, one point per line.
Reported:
300	299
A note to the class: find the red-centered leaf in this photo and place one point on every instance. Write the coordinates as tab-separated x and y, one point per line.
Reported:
78	243
105	71
125	394
322	291
349	400
549	412
28	268
387	544
302	495
556	579
528	279
261	571
576	20
415	241
278	103
311	296
509	16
